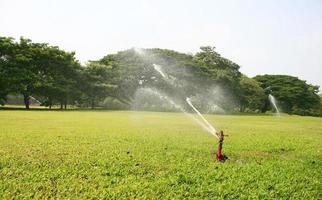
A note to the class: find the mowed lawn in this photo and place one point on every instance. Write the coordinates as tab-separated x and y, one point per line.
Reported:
149	155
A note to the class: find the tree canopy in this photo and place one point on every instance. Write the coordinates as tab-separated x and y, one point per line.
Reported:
294	96
39	70
252	96
187	74
54	77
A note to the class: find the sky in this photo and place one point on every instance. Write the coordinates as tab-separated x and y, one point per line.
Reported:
262	36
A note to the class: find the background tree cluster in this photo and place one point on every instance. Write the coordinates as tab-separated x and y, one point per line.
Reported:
294	96
46	73
55	78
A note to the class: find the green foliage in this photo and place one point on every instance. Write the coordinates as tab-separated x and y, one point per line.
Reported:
295	96
7	48
252	95
146	155
96	79
55	77
23	71
321	104
133	69
220	69
60	76
222	72
38	69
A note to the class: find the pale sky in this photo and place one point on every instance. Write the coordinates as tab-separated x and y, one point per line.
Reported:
262	36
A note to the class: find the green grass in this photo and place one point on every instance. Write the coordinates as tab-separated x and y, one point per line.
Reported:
137	155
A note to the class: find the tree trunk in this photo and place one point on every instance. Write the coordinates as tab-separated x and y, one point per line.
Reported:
92	104
65	105
61	105
26	99
242	108
50	103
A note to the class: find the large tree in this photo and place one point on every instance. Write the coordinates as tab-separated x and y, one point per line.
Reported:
130	70
321	104
294	96
7	52
186	74
37	69
96	83
60	77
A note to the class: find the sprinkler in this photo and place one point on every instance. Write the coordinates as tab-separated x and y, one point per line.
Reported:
219	155
201	120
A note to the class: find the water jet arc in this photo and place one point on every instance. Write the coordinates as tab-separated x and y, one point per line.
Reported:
204	123
212	129
273	102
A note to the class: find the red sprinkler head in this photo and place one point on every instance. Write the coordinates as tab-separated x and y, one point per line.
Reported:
219	155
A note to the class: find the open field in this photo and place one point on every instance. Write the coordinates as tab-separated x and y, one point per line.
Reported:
88	154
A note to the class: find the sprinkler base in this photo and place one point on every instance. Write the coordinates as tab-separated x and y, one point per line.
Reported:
221	158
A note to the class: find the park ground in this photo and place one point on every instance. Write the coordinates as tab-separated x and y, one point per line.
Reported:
157	155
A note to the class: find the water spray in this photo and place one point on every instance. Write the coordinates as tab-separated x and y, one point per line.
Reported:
167	78
220	136
33	98
273	102
204	122
158	69
180	108
211	128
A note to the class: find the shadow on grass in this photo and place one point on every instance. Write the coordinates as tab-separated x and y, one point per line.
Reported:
22	108
58	109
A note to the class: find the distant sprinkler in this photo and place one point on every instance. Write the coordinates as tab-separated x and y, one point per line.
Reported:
272	99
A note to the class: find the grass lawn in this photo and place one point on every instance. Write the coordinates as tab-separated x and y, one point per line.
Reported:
137	155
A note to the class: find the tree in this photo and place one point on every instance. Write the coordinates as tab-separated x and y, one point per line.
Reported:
133	69
321	104
7	51
96	83
295	96
22	71
37	69
60	77
222	72
252	96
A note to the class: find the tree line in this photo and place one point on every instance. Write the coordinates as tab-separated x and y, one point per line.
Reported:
47	73
55	77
